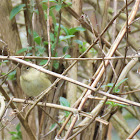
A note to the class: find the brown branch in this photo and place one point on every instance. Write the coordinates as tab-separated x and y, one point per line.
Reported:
70	80
67	59
48	32
129	92
134	132
19	115
42	20
28	21
86	25
101	69
51	105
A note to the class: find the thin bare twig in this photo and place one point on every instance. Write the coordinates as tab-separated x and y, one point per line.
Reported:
67	59
70	80
134	132
19	115
110	53
48	32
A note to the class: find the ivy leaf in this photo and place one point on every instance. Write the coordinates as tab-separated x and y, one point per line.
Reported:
65	37
121	82
67	56
56	65
37	39
3	73
45	43
44	6
16	10
65	30
65	49
40	50
79	42
58	7
110	84
64	102
53	125
115	104
12	132
22	50
29	54
76	29
4	61
18	127
43	62
50	1
11	76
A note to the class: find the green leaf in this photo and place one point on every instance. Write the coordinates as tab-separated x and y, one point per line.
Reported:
52	37
53	125
11	75
17	135
65	37
36	37
110	11
82	49
53	16
44	6
3	73
35	34
67	56
121	105
64	102
22	50
115	104
56	64
4	61
121	82
16	10
72	31
45	14
40	50
93	51
43	62
80	29
67	113
29	54
116	90
76	29
110	84
18	127
11	132
50	1
38	40
66	30
79	42
65	49
56	29
56	54
45	43
58	7
53	49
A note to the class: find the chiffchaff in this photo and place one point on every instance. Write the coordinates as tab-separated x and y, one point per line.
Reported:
32	81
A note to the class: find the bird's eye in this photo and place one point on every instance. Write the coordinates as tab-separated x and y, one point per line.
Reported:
27	68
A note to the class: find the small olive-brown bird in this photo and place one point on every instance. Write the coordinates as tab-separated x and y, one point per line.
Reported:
32	81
